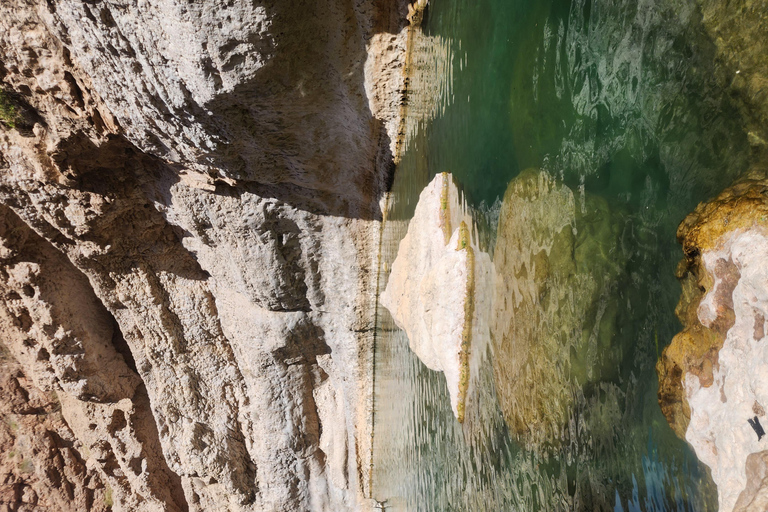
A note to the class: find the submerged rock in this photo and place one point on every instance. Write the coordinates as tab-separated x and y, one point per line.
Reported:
556	262
738	31
439	288
713	378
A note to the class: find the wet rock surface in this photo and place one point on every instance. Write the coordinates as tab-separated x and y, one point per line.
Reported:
710	386
711	376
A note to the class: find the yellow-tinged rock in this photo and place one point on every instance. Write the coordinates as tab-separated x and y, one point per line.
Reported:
557	259
694	350
713	378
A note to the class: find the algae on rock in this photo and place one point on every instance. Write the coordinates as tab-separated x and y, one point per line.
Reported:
557	261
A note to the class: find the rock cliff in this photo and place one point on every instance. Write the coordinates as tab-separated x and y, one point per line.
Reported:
190	204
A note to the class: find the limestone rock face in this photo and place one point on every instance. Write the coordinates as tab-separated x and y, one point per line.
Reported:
65	347
712	376
40	469
556	262
226	89
190	203
439	288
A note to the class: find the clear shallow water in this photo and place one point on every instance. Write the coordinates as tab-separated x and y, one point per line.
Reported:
617	100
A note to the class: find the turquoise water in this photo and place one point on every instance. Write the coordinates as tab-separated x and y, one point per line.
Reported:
618	100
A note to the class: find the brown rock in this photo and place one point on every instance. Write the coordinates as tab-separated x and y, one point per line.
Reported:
695	348
42	466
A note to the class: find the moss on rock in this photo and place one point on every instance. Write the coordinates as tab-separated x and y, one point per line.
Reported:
9	111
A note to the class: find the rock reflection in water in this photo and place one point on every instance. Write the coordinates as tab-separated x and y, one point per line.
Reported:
439	288
557	262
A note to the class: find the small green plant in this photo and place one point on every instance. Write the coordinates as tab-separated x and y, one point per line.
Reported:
5	354
9	111
12	425
108	501
11	454
26	466
55	404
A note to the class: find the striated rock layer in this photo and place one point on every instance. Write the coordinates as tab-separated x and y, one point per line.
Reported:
189	214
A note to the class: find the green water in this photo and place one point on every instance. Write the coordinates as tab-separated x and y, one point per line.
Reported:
616	99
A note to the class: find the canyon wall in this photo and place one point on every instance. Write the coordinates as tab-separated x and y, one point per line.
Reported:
189	223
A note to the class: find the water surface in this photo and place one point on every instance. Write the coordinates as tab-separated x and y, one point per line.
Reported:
617	100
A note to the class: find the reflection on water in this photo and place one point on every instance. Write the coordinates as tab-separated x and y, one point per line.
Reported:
429	81
439	289
558	268
617	103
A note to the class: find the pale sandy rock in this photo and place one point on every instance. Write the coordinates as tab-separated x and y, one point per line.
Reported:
433	279
52	303
212	172
754	498
385	80
183	80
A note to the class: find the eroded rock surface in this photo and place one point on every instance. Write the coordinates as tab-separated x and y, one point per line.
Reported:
65	346
190	212
712	376
43	466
